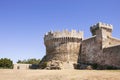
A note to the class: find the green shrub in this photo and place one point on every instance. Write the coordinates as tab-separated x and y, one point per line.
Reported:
43	65
111	68
95	66
6	63
29	61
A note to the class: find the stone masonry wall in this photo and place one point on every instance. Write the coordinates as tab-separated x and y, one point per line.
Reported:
112	56
102	48
65	50
110	41
90	51
62	47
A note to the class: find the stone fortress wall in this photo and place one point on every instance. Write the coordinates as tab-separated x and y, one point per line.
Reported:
89	50
68	48
101	48
112	56
62	47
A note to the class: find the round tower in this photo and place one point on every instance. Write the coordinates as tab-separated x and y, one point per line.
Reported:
62	48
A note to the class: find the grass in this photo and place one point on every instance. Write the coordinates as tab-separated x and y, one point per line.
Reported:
9	74
113	70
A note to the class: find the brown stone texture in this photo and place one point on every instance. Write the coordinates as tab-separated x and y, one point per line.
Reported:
65	48
111	41
112	56
102	48
90	51
62	48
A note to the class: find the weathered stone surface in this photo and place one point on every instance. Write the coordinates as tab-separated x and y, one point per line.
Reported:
102	48
112	56
64	49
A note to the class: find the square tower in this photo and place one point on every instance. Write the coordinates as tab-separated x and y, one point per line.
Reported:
102	30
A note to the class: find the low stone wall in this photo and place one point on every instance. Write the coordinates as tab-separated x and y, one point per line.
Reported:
22	66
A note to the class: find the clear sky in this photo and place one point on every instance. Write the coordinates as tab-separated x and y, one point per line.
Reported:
23	23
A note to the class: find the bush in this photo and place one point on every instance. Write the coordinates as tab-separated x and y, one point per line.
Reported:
34	66
43	65
111	68
6	63
95	66
29	61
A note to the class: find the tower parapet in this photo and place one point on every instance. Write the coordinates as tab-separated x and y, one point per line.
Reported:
63	34
55	39
103	27
103	32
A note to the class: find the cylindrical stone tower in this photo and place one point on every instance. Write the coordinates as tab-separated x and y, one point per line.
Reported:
62	48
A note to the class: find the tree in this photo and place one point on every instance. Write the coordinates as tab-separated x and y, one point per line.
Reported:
6	63
29	61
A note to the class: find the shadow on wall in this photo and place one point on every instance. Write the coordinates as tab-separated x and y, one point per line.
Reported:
96	66
34	66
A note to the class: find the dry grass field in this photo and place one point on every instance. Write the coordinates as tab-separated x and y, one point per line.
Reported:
7	74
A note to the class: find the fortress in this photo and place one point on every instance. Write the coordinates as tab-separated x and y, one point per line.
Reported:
69	50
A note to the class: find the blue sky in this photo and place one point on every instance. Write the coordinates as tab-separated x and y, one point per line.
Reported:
23	23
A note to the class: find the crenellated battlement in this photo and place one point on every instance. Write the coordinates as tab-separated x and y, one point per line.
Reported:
101	29
65	34
102	25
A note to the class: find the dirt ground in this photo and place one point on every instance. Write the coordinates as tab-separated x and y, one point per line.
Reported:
7	74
